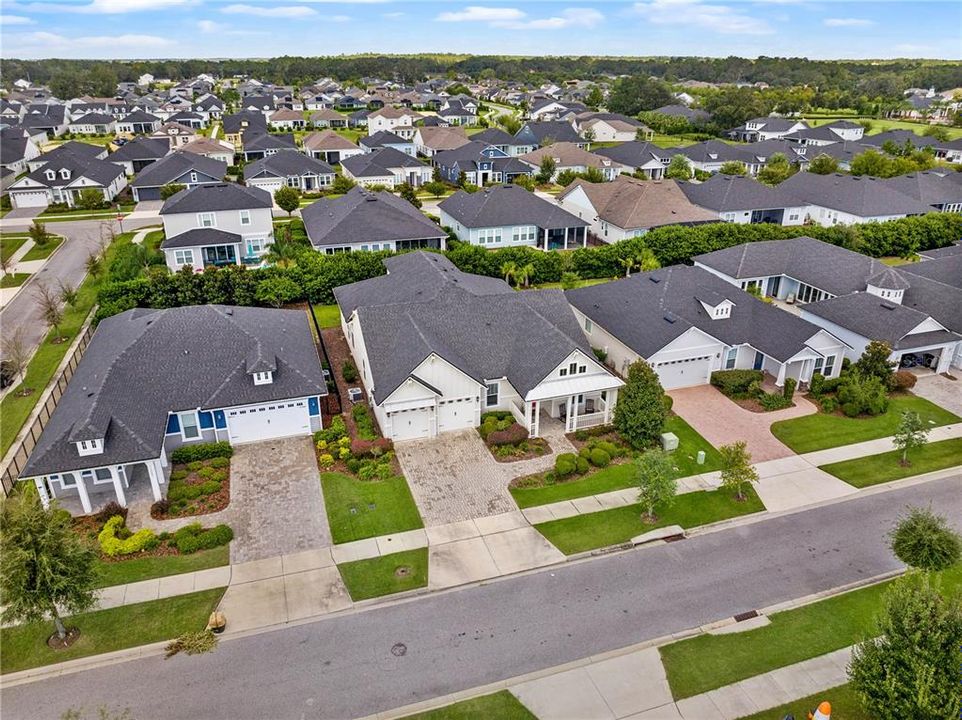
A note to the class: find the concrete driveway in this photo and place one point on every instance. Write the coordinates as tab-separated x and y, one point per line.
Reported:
720	421
943	392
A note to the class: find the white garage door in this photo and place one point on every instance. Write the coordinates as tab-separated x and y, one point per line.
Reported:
684	373
456	414
30	199
268	421
411	424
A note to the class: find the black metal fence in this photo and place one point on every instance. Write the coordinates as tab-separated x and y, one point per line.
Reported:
333	399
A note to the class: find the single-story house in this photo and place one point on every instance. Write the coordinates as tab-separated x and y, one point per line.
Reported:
366	220
744	200
327	118
387	139
534	135
287	120
437	347
940	192
386	166
190	119
637	156
569	156
766	128
330	147
93	123
179	168
177	135
62	178
235	374
137	154
291	168
138	123
214	149
687	323
257	144
431	140
839	199
609	127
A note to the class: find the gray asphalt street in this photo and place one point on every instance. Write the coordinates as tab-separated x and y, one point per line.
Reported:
343	666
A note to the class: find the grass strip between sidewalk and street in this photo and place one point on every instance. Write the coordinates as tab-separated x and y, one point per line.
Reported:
706	662
102	631
385	575
845	706
885	467
136	569
359	509
581	533
821	432
500	705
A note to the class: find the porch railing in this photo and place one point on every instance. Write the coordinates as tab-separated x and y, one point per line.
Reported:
589	420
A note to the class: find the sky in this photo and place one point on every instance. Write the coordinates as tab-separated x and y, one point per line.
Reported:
825	29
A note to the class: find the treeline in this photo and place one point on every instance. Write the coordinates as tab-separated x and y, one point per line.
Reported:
314	275
862	77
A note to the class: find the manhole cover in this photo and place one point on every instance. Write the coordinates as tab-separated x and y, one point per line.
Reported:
402	571
399	650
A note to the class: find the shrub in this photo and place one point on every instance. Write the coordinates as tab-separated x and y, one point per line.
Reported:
903	380
861	395
201	451
816	385
581	435
925	541
161	507
325	460
640	413
349	371
669	403
599	458
110	510
178	475
219	462
601	354
194	466
192	492
364	422
788	392
564	467
581	465
736	383
334	432
511	435
112	544
206	472
369	448
829	405
191	538
773	401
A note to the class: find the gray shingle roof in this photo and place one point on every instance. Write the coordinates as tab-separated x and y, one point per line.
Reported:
861	196
929	188
888	279
506	205
142	148
494	136
173	166
211	198
425	305
535	133
729	193
944	267
383	138
635	153
286	163
379	163
199	237
256	141
203	351
100	171
364	216
255	119
648	310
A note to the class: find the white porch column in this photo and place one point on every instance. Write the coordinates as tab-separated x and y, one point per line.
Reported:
610	399
566	237
118	486
153	472
780	380
42	492
536	408
82	492
572	423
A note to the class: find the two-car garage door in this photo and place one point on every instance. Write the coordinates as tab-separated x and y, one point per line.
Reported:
30	198
684	373
268	421
415	423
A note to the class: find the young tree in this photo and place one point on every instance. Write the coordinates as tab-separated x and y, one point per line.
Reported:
94	263
910	667
911	433
874	362
777	170
589	136
679	168
462	179
342	185
545	170
436	188
655	478
171	189
45	567
640	412
924	540
524	274
90	199
68	293
509	123
51	308
823	165
16	354
733	167
277	291
510	271
737	469
595	97
407	191
287	199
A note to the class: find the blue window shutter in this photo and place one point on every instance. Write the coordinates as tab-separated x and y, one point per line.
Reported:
173	424
206	420
220	422
313	407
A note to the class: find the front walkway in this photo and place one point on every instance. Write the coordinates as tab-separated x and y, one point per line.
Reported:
940	390
721	421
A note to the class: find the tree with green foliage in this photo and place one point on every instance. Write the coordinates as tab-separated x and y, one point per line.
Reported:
678	168
509	123
277	291
737	471
776	170
733	167
909	668
170	189
911	434
938	132
545	170
407	192
435	188
523	275
594	98
38	233
525	181
45	567
875	362
640	412
924	540
655	477
90	199
51	308
287	199
342	184
509	270
569	280
823	165
636	93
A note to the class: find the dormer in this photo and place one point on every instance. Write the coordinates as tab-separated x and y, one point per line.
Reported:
90	447
261	365
51	174
88	436
717	306
65	173
887	284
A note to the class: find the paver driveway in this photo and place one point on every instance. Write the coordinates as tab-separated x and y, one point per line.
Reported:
720	421
454	477
942	391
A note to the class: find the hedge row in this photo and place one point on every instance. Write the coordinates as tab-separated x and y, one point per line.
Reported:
315	275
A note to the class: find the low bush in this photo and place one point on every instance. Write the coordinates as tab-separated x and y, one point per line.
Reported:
736	383
334	432
115	539
218	462
191	538
511	435
493	422
371	448
581	465
325	460
903	380
364	421
178	475
201	451
859	395
111	509
773	401
565	464
829	404
599	458
600	353
816	385
349	371
669	402
181	491
788	392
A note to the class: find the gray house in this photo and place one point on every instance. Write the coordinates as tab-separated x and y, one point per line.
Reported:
180	168
234	374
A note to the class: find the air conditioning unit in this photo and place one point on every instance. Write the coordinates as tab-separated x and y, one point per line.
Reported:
355	395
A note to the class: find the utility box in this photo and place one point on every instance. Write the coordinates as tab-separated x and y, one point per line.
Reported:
669	442
700	457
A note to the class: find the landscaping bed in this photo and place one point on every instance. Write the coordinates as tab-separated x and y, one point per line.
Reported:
385	575
507	440
744	388
199	482
12	280
885	467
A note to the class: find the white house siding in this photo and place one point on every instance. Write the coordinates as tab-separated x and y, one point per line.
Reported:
261	225
827	216
792	216
473	235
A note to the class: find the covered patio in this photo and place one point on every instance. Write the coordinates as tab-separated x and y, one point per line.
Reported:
84	491
584	402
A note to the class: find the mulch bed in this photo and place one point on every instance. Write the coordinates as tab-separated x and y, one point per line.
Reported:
611	435
88	527
54	642
532	447
203	505
752	405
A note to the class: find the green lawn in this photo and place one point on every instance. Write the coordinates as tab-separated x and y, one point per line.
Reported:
9	244
378	576
821	431
879	125
146	568
358	509
13	280
706	662
618	477
579	284
501	706
845	706
613	527
327	316
25	646
42	253
884	467
152	241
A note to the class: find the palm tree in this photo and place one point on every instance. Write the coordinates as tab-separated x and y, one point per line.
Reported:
282	252
510	272
524	274
628	263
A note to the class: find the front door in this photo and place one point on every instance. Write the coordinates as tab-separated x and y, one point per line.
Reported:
759	360
773	285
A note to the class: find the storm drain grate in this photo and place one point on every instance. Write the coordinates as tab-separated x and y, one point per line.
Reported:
746	615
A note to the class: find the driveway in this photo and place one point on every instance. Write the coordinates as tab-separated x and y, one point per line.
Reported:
720	421
942	391
23	213
454	477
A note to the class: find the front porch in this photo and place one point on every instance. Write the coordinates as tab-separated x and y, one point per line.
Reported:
575	412
82	492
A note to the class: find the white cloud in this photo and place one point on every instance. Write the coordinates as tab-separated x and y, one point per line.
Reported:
209	26
571	17
283	11
847	22
53	41
693	13
15	20
477	13
392	15
102	7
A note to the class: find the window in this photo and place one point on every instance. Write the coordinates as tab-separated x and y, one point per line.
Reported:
65	174
188	426
489	236
563	372
730	358
492	396
255	246
245	217
184	257
193	177
205	220
573	368
819	362
525	234
51	175
829	365
587	325
263	378
582	369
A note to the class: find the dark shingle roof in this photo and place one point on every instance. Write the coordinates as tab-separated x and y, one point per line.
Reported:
861	196
506	205
142	148
635	153
929	188
379	163
494	136
383	138
203	351
222	196
535	133
725	193
199	237
173	166
286	163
